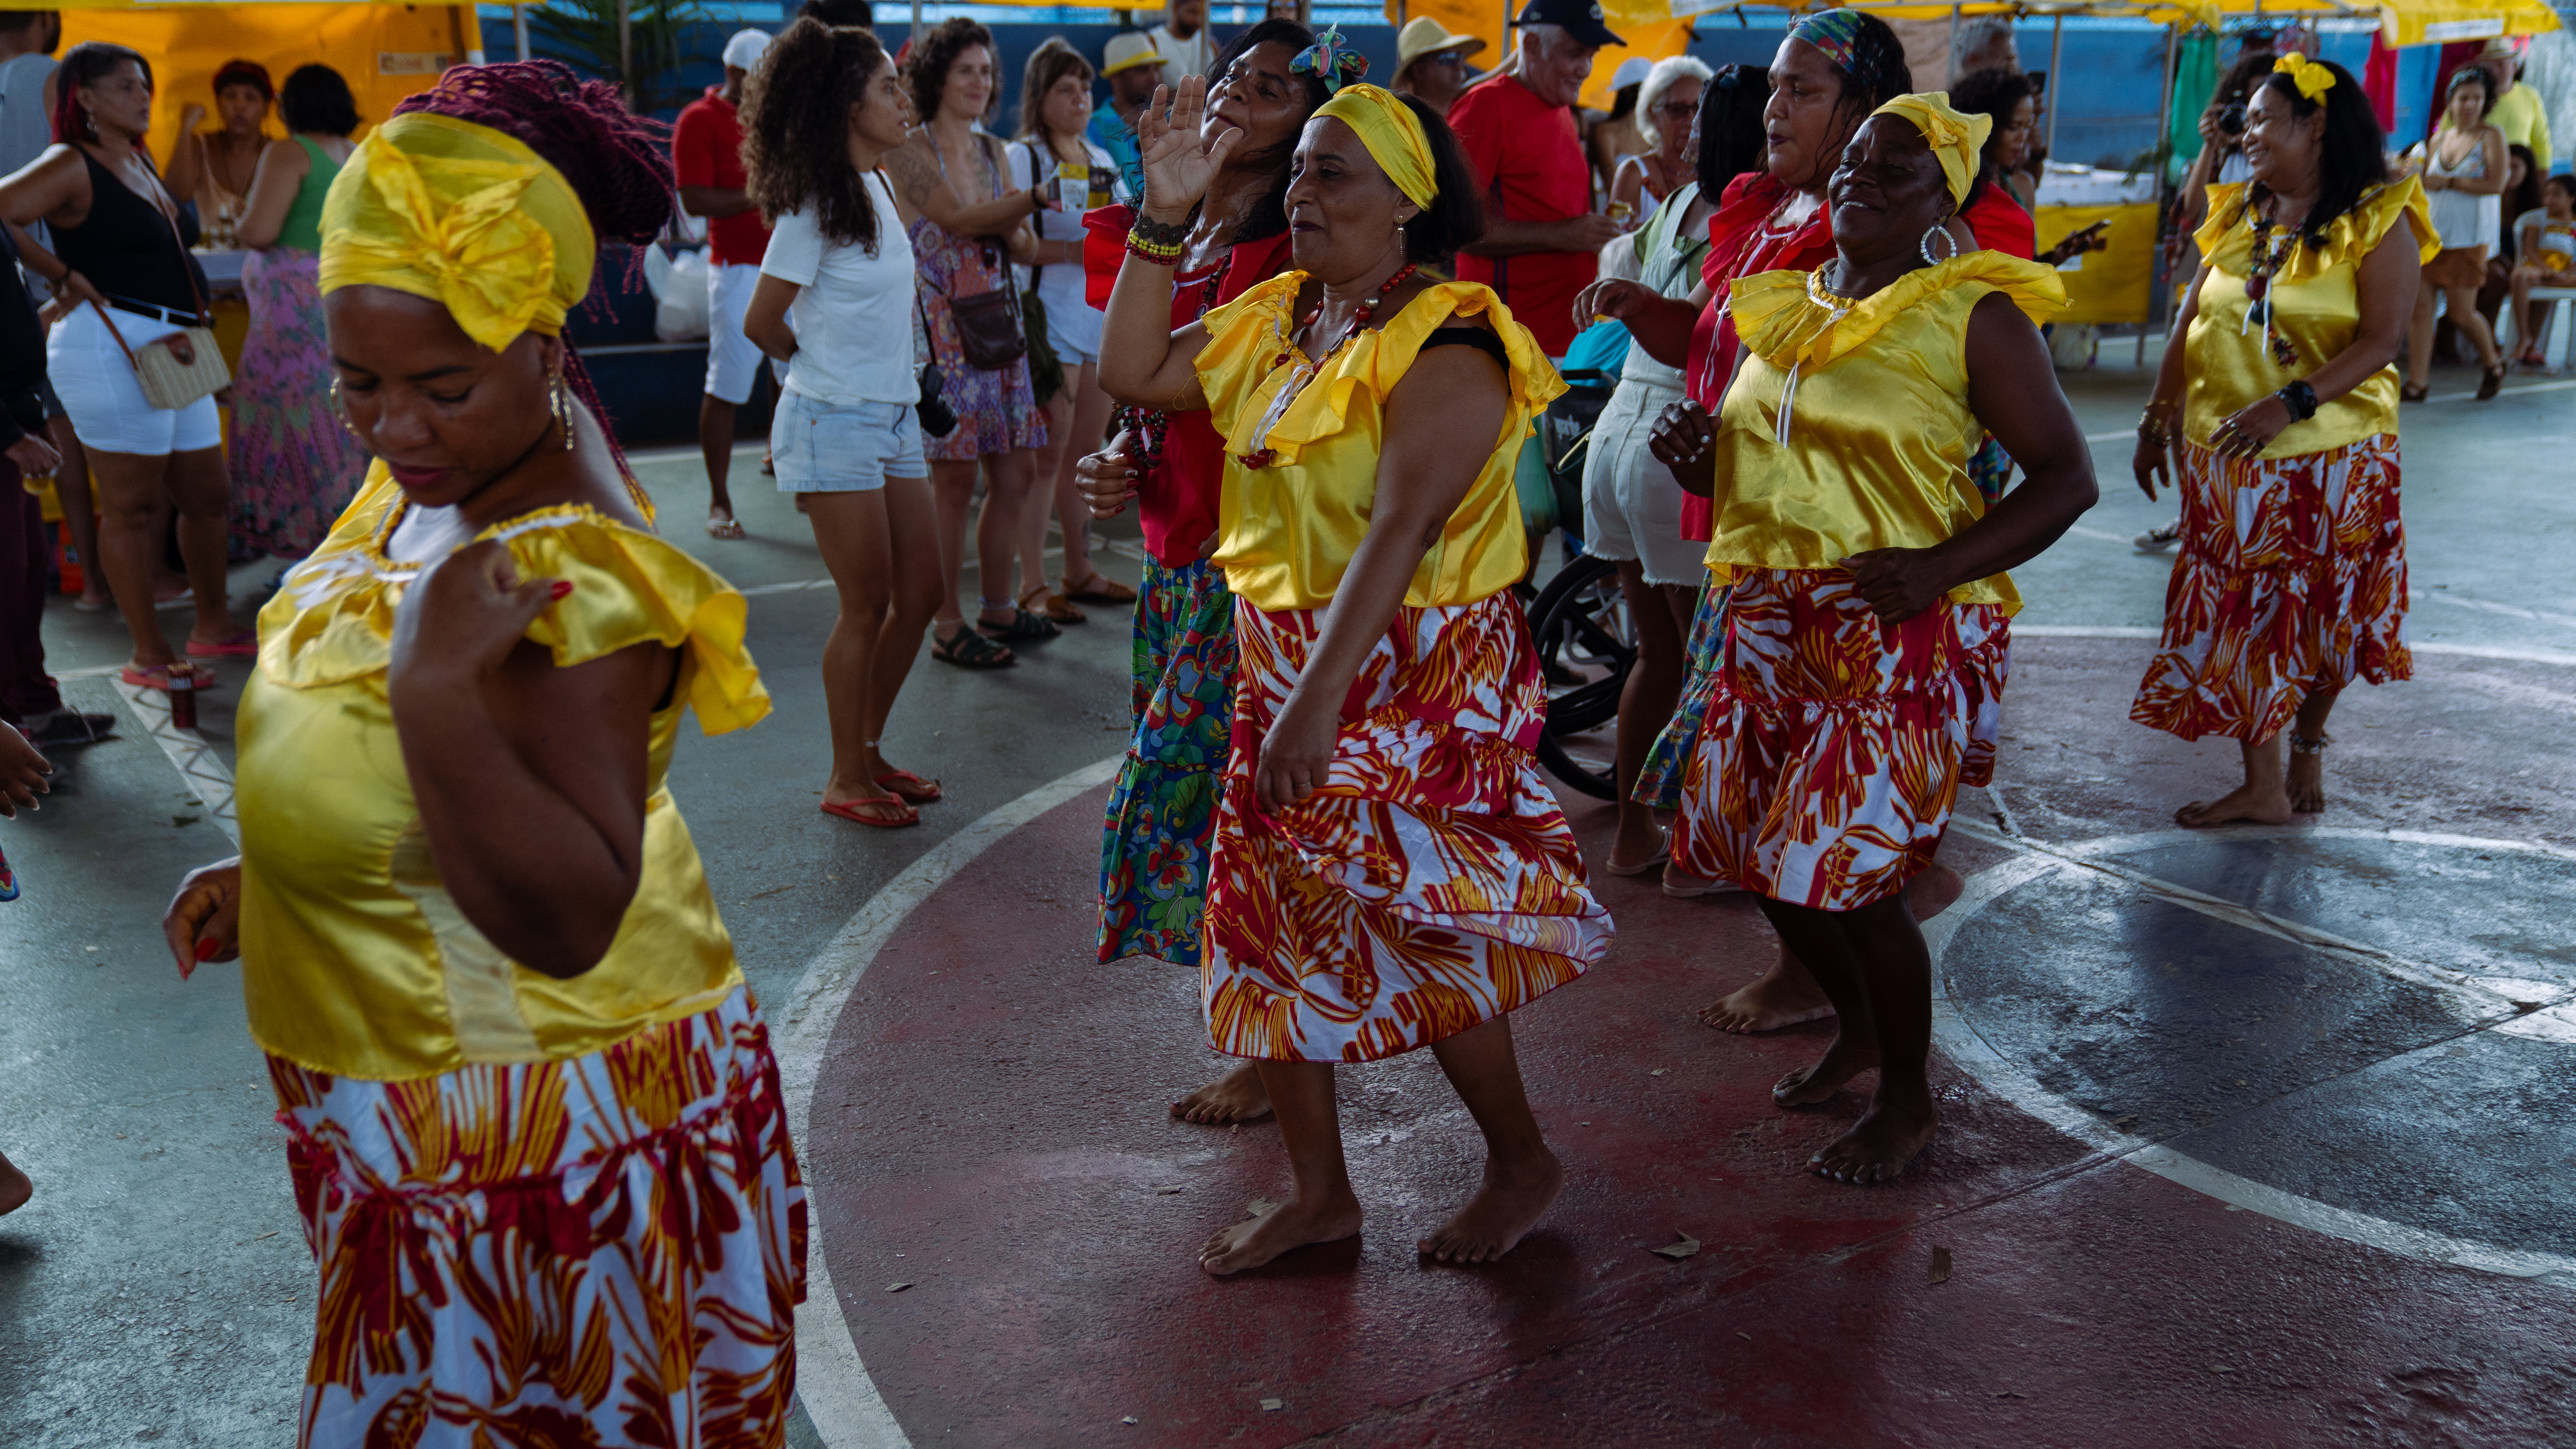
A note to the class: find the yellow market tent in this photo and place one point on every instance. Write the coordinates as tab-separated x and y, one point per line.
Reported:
1649	26
384	51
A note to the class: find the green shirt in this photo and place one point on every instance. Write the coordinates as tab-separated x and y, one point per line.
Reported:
303	225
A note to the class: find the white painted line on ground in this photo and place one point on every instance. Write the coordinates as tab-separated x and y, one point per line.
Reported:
198	765
838	1393
2443	597
2081	531
1959	1040
2140	631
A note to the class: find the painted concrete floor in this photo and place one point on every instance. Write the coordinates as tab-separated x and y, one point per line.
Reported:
2225	1116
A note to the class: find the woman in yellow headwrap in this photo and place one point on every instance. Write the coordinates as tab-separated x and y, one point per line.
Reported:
1388	872
534	1124
1865	648
2275	415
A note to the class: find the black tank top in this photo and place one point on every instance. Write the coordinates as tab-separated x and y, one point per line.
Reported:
127	247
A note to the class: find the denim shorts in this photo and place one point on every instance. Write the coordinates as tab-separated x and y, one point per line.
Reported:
820	447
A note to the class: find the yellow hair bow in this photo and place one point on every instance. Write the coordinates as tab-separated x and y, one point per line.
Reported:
2311	77
1957	139
1393	135
465	216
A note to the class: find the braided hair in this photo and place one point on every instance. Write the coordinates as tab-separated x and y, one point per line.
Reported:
617	163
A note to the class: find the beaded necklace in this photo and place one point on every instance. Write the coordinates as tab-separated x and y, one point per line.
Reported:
1262	457
2265	264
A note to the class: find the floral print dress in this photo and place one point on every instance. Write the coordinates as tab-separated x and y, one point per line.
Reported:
996	411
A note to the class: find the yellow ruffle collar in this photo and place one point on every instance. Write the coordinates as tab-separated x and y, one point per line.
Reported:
1251	333
1788	319
332	620
2349	237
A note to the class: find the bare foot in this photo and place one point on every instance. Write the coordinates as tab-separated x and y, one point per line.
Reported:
1238	1096
1824	1076
1880	1144
1295	1225
1507	1205
1932	890
2243	803
15	1189
2307	782
1785	995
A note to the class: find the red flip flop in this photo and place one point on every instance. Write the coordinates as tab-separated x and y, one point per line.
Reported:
244	646
909	787
158	676
852	813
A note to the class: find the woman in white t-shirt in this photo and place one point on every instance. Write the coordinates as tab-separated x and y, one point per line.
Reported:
1053	152
834	304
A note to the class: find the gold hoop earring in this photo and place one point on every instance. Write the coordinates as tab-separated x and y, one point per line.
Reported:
563	410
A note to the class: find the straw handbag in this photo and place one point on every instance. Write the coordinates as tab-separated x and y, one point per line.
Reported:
168	382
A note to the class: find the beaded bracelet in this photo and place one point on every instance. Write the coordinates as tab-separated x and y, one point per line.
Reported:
1158	253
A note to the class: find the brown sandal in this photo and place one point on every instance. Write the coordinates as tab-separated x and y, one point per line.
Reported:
1099	589
1055	606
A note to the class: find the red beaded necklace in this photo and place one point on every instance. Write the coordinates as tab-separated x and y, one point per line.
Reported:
1262	457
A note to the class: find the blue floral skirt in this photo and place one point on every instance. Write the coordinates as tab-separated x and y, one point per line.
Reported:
1154	853
1659	780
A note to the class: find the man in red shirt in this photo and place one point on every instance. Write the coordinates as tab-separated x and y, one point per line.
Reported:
1542	238
706	154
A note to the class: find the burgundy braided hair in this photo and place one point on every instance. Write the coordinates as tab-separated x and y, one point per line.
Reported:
618	163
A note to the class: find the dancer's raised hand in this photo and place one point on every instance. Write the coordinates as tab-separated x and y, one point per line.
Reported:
1178	164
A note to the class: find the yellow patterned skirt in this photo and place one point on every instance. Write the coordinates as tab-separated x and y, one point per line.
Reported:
1430	884
2291	581
607	1249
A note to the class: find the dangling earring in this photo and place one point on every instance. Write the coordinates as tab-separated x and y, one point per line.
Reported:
340	409
1943	233
563	410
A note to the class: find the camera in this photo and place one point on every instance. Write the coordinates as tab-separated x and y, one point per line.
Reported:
2231	120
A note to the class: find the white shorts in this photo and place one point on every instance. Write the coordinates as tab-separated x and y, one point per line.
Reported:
1632	505
733	360
104	399
1073	352
820	447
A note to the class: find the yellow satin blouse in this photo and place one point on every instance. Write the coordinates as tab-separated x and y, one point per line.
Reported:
1876	449
1287	531
355	959
2317	305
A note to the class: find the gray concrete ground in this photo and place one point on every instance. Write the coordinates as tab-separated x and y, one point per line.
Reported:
158	1288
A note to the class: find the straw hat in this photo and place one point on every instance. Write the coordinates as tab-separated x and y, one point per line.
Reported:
1423	36
1127	50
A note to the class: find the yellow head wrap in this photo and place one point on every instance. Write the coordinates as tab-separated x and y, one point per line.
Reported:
1958	141
464	215
1393	135
2312	79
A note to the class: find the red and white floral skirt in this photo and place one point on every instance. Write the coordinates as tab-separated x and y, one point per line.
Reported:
607	1249
2291	581
1430	884
1835	745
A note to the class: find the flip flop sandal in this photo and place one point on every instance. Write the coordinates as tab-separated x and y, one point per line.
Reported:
969	650
68	727
158	676
1663	852
1024	626
858	812
1057	608
1099	589
724	528
2414	392
245	646
909	787
1697	888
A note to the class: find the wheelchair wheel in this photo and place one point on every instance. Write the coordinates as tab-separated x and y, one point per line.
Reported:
1586	645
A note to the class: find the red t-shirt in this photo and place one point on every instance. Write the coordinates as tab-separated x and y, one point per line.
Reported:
1529	160
1176	500
1741	242
1999	224
706	150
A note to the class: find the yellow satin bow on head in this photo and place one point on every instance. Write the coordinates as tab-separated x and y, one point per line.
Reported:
2311	77
1957	139
1393	135
465	216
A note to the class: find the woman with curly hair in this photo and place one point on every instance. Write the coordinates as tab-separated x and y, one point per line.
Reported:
2275	417
824	105
952	187
533	1120
1171	465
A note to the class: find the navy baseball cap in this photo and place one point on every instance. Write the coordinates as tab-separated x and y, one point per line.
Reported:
1581	19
